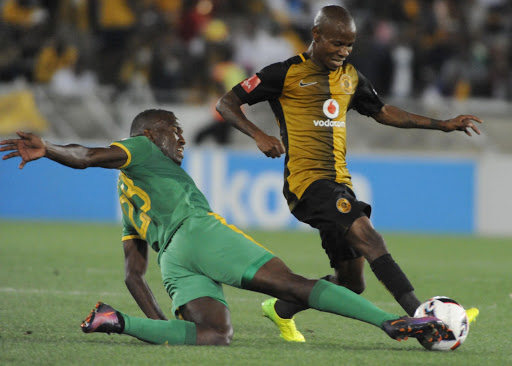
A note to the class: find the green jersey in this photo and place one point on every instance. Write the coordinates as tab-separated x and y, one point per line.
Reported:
155	193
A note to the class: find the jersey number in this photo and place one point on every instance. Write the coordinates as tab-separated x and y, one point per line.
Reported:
129	190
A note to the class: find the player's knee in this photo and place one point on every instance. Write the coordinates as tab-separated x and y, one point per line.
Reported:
369	243
224	338
215	337
221	340
355	284
358	288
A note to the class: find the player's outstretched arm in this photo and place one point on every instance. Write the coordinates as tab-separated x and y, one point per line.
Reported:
135	267
228	107
396	117
30	147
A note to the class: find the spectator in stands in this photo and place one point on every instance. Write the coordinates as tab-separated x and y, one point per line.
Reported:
372	54
23	14
115	22
136	67
24	27
74	19
224	75
11	61
195	15
259	43
55	55
77	80
167	69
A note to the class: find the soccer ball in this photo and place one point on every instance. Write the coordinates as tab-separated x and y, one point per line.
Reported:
453	315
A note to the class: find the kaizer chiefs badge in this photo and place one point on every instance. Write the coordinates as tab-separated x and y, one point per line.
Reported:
346	84
343	205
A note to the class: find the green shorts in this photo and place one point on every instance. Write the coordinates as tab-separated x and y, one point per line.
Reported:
205	253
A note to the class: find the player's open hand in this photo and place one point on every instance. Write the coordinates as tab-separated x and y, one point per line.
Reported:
269	145
462	123
29	147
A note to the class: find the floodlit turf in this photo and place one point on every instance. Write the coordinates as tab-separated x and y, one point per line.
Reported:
51	275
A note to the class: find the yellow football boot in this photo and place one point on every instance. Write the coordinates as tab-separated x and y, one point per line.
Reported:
287	326
472	314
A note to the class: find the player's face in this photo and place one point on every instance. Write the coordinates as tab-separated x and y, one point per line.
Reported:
168	136
333	43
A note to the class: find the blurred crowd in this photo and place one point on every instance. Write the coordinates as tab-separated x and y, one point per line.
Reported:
194	50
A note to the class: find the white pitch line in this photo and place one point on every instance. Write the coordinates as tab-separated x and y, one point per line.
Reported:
58	292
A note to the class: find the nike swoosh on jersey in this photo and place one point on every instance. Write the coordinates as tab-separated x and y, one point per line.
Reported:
303	84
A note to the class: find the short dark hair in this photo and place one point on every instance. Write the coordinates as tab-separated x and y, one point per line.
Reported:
332	13
147	119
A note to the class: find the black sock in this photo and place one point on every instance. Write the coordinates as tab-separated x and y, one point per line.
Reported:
287	310
388	272
121	321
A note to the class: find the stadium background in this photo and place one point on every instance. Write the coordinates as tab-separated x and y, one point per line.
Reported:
79	71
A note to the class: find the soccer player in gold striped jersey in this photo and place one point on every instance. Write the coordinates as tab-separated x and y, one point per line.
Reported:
310	95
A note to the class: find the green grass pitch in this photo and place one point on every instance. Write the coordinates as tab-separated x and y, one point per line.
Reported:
52	274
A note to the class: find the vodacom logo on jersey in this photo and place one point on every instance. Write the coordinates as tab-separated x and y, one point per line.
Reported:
331	109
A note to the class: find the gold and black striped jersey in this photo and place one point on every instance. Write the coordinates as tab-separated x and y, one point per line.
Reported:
311	106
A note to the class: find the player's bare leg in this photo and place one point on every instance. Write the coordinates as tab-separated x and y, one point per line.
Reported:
350	274
212	319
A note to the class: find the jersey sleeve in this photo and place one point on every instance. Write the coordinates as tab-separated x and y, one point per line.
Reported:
264	85
366	100
137	148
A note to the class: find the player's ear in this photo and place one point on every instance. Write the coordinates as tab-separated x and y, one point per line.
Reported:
316	33
149	134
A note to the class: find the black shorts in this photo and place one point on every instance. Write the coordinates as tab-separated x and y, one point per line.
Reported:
332	208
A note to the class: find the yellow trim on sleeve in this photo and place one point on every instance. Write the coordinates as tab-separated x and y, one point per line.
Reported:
302	57
129	237
129	160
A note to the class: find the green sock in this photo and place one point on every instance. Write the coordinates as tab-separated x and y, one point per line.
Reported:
326	296
160	331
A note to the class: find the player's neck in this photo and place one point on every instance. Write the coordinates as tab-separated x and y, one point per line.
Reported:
311	54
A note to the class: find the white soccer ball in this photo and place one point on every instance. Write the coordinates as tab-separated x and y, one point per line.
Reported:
453	315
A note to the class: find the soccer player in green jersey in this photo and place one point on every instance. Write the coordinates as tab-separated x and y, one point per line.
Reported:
197	250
